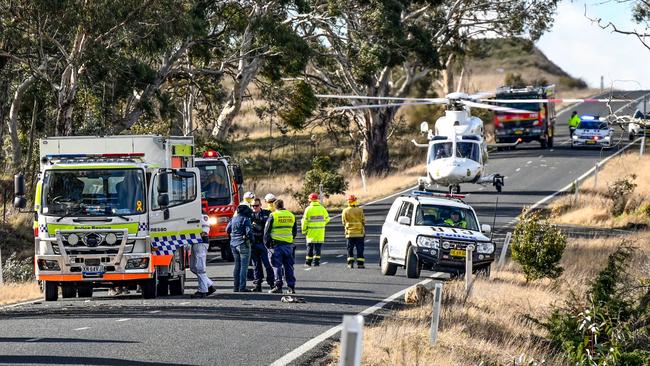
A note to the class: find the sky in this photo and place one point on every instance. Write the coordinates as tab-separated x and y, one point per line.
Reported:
584	50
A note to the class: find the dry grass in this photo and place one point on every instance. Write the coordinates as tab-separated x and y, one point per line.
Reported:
593	205
11	293
493	325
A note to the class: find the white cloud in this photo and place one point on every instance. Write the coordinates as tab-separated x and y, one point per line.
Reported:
585	50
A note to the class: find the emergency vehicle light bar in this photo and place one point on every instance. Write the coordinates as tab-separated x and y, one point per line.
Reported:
211	154
444	195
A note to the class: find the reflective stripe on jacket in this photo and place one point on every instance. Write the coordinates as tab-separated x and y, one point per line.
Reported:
314	221
282	226
461	224
354	222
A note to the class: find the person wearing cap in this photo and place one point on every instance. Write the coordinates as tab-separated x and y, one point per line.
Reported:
270	201
456	220
313	225
240	230
279	233
198	258
259	253
354	223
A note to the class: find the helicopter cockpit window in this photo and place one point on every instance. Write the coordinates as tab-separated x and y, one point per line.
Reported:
468	150
440	150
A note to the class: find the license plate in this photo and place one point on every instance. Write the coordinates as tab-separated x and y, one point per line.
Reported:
590	142
519	132
457	252
92	269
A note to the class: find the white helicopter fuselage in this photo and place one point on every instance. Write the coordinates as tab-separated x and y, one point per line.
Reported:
454	171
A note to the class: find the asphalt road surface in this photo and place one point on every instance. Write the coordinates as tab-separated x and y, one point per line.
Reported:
257	329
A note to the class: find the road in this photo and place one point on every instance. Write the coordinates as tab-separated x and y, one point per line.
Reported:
257	329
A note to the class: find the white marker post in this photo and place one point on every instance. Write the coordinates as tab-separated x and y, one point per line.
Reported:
596	175
363	180
504	250
575	194
435	314
468	267
1	277
351	340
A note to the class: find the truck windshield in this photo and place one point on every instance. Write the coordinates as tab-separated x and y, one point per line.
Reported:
215	185
93	192
435	215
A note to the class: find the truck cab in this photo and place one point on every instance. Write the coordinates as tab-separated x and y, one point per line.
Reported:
114	211
221	192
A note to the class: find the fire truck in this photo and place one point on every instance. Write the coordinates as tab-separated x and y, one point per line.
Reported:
221	192
114	211
538	125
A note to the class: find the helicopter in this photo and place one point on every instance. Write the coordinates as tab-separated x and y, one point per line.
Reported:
457	151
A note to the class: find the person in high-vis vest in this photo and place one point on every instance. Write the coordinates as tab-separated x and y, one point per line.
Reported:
354	223
574	121
270	201
456	221
312	226
279	233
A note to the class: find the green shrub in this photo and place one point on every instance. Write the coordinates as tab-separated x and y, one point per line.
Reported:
323	171
538	246
619	192
18	270
611	324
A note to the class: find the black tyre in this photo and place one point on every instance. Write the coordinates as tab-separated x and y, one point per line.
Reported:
177	286
149	287
85	291
412	264
68	290
387	268
163	286
50	291
226	253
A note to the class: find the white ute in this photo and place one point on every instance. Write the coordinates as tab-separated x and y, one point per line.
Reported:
420	233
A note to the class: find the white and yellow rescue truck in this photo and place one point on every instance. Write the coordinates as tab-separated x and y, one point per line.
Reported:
114	211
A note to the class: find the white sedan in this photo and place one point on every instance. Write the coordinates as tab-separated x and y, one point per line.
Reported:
592	132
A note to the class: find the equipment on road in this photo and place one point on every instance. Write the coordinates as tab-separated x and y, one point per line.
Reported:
221	186
114	211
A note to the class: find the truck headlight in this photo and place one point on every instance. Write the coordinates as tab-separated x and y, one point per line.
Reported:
48	265
575	137
607	137
73	239
137	263
110	238
212	220
428	242
485	248
222	219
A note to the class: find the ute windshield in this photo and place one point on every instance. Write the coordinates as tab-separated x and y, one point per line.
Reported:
93	192
436	215
214	183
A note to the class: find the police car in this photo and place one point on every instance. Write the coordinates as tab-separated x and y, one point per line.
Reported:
592	131
432	231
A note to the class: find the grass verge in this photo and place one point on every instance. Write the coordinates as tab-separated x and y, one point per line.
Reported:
11	293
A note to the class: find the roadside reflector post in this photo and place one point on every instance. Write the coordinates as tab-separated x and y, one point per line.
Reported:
351	340
320	193
642	149
363	180
504	250
576	189
435	314
468	267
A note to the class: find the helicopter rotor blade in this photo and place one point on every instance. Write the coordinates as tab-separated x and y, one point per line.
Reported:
384	105
494	107
562	100
362	97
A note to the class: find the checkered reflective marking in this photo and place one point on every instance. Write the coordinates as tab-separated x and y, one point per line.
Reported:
143	226
42	228
166	245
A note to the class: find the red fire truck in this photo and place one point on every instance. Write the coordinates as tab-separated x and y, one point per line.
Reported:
221	191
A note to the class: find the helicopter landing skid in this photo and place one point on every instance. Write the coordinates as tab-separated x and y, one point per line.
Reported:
497	180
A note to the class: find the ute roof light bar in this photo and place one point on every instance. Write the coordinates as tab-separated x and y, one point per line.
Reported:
458	197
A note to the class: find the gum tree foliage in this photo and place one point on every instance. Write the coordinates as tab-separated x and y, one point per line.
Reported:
323	172
384	47
640	15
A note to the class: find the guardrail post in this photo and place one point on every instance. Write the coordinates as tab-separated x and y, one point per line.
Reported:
351	340
435	314
504	249
468	267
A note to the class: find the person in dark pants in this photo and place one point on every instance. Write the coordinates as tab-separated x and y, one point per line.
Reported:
259	253
279	233
240	230
354	223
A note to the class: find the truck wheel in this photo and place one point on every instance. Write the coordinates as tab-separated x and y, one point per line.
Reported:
50	291
163	286
412	264
85	291
387	268
68	290
177	287
149	287
226	253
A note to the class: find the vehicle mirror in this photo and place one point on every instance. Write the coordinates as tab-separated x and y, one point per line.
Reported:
404	220
424	127
163	200
19	185
163	183
486	229
239	177
20	202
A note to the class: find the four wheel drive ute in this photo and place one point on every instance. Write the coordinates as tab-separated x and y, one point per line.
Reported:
431	231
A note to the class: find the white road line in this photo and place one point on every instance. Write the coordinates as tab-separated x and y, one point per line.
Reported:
308	269
34	339
341	255
82	328
19	304
324	263
122	320
184	303
293	355
518	169
154	312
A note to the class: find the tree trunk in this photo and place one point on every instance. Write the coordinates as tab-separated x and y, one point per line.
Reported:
375	157
4	98
12	122
69	84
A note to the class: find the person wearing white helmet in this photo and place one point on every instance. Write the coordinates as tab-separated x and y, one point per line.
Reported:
249	197
270	201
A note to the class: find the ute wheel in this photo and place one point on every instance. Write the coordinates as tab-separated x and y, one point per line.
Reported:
226	253
412	264
387	268
50	291
68	290
85	291
149	287
177	287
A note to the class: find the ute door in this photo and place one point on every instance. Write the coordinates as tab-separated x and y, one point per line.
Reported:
175	216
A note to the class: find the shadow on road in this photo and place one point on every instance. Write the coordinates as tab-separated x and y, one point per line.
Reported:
57	340
73	360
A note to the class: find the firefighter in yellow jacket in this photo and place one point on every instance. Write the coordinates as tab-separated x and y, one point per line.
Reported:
313	225
354	223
